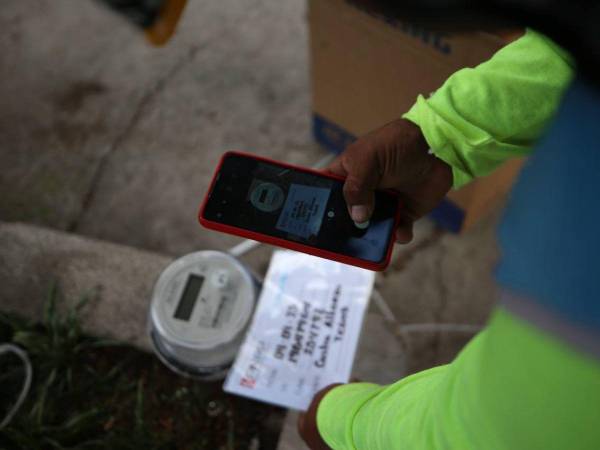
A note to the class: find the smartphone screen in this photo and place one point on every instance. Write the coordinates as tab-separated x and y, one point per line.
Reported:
297	206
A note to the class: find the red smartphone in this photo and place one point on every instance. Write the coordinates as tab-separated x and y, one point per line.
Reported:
297	208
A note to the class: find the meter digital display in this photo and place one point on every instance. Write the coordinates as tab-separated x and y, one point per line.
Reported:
188	299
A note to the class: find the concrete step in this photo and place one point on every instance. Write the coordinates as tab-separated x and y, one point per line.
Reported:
119	278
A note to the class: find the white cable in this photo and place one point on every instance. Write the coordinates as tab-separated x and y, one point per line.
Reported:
389	316
383	307
243	247
247	245
11	348
433	327
324	161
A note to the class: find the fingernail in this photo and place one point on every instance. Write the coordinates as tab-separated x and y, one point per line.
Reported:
359	213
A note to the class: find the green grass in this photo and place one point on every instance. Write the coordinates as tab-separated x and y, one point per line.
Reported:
90	393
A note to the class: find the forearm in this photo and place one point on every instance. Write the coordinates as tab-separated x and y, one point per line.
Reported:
483	116
489	397
364	415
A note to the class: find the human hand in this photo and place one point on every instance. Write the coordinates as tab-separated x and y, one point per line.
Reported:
396	157
307	422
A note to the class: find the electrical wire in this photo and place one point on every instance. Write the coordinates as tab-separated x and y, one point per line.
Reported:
437	327
324	161
383	307
22	355
243	247
389	316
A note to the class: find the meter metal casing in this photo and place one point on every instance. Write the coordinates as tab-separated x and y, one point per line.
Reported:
203	341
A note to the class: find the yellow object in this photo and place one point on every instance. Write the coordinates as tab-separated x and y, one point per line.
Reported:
166	22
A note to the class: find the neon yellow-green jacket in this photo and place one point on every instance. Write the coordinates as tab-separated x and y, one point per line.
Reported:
530	380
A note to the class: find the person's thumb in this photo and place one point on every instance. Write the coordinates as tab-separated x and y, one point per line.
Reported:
359	190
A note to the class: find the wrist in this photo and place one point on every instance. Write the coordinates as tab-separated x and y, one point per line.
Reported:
428	165
440	173
417	152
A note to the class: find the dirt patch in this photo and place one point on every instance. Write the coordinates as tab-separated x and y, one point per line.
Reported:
73	98
89	393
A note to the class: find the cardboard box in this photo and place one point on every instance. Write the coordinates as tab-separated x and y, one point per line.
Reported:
368	70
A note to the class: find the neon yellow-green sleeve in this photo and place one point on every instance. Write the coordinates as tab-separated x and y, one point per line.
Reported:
512	387
483	116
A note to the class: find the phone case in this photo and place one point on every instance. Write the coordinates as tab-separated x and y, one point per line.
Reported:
285	243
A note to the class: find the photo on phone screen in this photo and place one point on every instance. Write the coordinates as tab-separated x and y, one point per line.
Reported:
297	206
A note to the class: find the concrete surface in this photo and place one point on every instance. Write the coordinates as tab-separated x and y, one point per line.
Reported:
72	78
118	279
289	438
103	135
380	357
442	278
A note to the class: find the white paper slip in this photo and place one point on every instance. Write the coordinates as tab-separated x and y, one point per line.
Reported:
305	330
